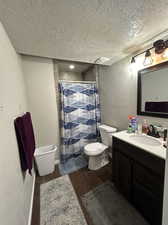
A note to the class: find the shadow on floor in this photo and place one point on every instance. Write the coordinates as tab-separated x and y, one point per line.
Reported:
82	180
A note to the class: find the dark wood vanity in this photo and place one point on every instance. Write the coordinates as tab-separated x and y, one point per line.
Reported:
139	176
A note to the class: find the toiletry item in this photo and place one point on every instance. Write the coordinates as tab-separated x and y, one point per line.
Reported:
129	130
139	128
133	124
144	127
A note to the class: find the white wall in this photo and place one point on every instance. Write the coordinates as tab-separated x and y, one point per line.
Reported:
15	188
40	84
117	87
118	95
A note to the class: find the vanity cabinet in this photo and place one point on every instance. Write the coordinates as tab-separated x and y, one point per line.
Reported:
123	174
139	176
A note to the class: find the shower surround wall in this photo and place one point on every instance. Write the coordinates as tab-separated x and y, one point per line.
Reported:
70	76
16	187
90	74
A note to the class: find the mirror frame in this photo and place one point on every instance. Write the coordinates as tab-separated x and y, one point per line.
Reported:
159	66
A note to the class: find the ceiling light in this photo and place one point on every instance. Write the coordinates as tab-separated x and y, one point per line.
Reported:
71	67
148	58
102	60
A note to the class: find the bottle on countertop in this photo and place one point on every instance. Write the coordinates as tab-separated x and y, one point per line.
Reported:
129	130
133	124
145	127
139	131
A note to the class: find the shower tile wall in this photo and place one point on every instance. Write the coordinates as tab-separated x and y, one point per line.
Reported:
70	76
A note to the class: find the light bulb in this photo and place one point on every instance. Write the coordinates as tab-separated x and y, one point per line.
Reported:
148	59
132	66
165	53
72	67
133	60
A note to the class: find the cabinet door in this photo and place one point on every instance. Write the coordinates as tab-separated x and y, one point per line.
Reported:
123	174
147	203
149	179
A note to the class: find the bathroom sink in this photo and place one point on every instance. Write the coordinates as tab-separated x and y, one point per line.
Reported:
143	139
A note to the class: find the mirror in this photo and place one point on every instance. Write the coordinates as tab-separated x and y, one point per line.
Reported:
153	91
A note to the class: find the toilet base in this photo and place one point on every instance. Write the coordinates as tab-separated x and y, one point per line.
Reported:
96	162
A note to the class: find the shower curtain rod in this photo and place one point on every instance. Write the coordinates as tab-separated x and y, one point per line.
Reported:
85	82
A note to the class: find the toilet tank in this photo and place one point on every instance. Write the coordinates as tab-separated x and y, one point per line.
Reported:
106	134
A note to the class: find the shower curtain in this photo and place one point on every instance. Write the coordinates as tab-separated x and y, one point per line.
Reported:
80	117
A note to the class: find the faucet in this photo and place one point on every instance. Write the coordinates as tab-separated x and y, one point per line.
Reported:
152	131
157	131
164	134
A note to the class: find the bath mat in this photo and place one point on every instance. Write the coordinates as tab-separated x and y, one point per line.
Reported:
59	204
73	165
107	207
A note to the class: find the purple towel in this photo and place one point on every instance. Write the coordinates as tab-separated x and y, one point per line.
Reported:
26	140
157	107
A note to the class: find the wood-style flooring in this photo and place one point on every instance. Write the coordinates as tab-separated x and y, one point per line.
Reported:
82	180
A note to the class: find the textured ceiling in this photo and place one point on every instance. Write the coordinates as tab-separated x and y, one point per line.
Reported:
82	30
79	67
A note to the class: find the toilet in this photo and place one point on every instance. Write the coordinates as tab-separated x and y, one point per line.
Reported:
97	152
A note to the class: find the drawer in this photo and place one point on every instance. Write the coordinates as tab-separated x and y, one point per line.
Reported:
148	160
148	179
148	205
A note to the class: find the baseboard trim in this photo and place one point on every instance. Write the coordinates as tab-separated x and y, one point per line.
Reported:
31	201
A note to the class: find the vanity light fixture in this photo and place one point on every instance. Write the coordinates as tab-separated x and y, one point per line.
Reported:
159	46
133	60
133	65
71	66
165	53
148	58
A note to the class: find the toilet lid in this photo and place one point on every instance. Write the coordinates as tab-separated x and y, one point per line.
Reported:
107	128
95	148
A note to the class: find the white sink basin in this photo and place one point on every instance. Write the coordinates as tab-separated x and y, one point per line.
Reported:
147	140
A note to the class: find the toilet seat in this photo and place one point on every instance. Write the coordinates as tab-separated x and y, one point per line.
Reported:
94	149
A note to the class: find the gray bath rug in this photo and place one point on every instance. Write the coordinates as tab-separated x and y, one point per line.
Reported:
59	204
107	207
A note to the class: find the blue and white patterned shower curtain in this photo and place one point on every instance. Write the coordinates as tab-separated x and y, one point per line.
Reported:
80	117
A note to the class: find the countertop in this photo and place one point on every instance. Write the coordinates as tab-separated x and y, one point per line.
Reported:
159	151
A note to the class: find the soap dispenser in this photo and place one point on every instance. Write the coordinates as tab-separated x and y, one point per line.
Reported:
145	127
